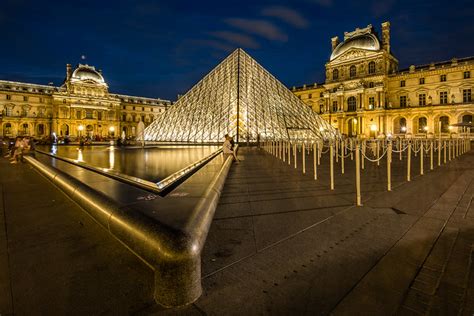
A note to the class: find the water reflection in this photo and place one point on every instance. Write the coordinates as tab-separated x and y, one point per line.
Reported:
152	164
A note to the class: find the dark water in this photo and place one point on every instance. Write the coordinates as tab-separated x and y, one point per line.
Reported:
152	164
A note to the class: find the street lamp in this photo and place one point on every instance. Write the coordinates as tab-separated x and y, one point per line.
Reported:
80	128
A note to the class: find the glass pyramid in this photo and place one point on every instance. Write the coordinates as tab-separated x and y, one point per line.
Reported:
240	98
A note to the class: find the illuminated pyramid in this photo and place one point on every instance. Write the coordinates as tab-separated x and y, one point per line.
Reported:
240	98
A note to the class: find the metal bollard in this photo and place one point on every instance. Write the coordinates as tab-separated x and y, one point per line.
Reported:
389	165
303	157
431	155
331	164
315	152
409	162
357	162
421	158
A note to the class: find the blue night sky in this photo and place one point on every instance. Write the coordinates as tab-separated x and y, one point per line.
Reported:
162	48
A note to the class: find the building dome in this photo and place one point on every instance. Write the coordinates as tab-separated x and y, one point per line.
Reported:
364	41
87	73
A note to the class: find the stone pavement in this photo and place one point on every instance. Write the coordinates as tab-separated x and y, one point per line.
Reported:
280	243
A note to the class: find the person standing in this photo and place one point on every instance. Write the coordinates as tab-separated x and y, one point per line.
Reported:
227	148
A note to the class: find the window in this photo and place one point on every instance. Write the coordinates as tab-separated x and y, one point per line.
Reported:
443	97
320	95
99	116
402	83
371	102
371	67
422	125
403	125
8	129
334	106
335	74
143	109
134	108
9	97
351	104
371	84
123	107
444	120
40	129
466	95
64	100
467	74
88	114
403	101
41	100
352	71
422	99
25	98
442	78
8	111
124	117
78	115
422	80
310	96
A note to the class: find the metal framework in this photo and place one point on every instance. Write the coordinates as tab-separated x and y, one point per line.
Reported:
240	98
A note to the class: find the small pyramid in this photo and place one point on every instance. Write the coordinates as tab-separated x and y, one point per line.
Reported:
240	98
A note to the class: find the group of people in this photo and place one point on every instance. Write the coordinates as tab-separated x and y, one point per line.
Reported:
229	148
21	146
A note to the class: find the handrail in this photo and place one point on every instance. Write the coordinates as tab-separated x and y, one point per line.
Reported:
160	188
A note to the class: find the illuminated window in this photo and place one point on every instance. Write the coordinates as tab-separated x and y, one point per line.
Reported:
422	99
351	104
467	74
310	96
442	78
371	67
9	97
371	84
403	101
402	83
422	123
352	71
443	97
422	80
89	114
334	106
25	98
466	95
371	102
444	120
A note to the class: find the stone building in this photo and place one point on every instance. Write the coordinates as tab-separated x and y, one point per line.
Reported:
366	94
81	106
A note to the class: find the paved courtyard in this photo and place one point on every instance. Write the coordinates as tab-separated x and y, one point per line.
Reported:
280	243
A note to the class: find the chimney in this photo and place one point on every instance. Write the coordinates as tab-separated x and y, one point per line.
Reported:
68	71
386	36
334	42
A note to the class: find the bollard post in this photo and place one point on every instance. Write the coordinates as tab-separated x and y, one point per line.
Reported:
444	149
421	158
319	152
377	142
294	154
315	152
362	159
357	162
389	165
352	147
303	157
431	155
449	149
284	151
331	164
400	145
439	152
342	160
409	162
337	150
289	153
414	148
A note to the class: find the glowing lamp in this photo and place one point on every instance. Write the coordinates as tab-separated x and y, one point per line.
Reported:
373	127
425	128
111	129
404	128
354	120
80	127
450	127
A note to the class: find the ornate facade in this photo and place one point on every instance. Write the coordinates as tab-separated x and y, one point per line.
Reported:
366	95
81	106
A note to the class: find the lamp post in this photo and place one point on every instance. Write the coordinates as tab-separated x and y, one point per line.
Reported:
80	128
111	131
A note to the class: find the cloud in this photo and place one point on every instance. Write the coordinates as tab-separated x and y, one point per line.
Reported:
262	28
287	15
236	38
380	8
324	3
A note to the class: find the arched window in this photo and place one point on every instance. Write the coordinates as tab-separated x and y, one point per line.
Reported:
335	74
467	119
40	129
352	71
371	67
444	120
351	104
403	125
422	125
7	129
24	129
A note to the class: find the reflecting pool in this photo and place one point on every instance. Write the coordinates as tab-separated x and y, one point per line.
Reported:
152	164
